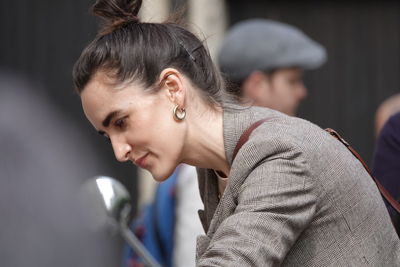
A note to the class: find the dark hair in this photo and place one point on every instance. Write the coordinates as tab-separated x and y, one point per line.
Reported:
130	50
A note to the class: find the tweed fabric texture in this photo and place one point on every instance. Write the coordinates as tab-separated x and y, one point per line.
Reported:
295	197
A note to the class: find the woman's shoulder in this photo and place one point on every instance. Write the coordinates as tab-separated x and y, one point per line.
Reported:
282	136
279	132
277	126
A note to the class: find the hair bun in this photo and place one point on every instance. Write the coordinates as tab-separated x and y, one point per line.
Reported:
117	12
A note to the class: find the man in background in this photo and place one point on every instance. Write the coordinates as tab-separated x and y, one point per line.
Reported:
263	62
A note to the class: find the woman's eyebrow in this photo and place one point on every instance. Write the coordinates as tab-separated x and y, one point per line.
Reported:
109	117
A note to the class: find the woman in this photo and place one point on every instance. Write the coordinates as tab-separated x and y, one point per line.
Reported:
293	195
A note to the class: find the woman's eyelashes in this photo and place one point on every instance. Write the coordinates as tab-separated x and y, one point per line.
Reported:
120	123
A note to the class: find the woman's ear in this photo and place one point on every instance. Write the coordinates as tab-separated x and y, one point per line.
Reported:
172	84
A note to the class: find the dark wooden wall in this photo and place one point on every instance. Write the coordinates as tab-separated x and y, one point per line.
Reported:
42	40
363	68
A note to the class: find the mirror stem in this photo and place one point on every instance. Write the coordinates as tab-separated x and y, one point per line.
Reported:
131	239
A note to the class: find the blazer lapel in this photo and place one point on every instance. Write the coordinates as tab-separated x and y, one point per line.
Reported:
208	185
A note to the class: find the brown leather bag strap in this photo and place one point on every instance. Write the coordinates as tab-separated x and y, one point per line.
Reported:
381	188
245	136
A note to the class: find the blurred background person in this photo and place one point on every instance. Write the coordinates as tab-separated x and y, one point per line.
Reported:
386	157
386	160
264	60
390	106
43	163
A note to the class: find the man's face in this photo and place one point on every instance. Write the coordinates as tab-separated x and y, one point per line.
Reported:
281	90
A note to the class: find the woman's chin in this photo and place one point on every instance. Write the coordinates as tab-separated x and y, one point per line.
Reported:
161	176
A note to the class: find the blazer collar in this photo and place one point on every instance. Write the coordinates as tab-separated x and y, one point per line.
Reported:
236	119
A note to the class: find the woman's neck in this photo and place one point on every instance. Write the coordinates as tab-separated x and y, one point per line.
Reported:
205	140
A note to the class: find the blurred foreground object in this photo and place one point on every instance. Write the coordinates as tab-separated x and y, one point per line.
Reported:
116	202
43	162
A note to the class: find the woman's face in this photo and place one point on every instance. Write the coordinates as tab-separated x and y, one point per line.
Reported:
139	124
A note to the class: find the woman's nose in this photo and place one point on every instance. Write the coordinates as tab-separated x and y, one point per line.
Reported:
121	150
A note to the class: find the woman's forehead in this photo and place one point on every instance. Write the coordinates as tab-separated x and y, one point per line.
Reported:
96	92
97	100
100	97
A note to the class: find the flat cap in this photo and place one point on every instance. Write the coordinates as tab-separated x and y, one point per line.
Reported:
261	44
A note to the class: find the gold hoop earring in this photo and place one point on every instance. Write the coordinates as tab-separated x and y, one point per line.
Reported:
179	113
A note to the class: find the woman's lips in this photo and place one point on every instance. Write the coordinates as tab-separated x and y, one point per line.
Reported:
141	162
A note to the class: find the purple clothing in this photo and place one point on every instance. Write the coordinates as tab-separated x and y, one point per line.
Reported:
386	162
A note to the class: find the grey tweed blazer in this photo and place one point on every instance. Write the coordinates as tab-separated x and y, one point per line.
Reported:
295	197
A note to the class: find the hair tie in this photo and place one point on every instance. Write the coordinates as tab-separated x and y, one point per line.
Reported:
187	51
190	53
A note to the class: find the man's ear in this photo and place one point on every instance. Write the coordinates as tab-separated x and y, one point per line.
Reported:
255	85
173	85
